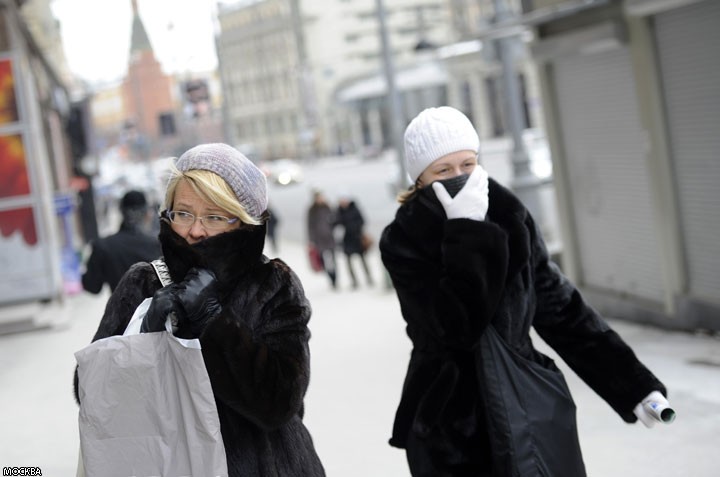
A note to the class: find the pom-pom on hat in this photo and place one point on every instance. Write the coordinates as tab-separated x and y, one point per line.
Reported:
244	178
434	133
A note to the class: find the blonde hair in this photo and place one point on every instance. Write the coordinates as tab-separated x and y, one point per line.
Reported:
406	195
411	192
212	188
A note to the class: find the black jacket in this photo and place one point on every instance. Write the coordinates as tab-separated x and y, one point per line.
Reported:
113	255
256	350
453	278
351	220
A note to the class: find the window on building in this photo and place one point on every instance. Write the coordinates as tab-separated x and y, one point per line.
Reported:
466	103
4	41
167	124
525	101
494	101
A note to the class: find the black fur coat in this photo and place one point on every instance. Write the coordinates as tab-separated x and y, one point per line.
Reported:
453	278
256	350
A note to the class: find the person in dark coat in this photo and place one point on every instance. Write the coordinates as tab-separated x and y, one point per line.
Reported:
250	313
468	262
351	220
272	226
320	230
112	256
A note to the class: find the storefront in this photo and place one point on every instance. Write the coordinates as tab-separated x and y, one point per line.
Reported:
34	168
632	95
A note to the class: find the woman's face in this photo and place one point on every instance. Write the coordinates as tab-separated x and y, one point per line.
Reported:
186	200
447	167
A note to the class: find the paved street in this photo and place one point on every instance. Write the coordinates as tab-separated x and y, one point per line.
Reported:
359	352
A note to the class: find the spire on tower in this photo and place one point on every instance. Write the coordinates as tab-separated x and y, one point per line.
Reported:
139	40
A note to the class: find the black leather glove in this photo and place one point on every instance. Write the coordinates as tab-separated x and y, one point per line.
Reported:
164	302
199	299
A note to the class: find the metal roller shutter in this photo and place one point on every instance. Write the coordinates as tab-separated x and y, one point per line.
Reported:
688	41
604	146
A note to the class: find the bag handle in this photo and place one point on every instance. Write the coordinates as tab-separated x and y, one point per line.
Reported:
163	273
161	269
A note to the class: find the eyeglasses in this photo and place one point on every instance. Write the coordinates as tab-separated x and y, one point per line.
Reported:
210	222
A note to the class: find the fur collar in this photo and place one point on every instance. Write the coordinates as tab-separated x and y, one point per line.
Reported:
229	255
510	214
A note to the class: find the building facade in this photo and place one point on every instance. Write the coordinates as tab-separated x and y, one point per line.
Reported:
259	67
37	186
461	67
632	96
283	64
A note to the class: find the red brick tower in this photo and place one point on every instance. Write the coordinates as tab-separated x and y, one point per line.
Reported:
147	93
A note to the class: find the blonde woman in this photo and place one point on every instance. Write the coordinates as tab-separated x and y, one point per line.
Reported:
249	313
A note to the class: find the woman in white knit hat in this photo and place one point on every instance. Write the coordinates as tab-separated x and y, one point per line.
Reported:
249	313
472	275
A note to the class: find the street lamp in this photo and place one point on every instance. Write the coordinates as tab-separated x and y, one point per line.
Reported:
524	183
396	116
308	117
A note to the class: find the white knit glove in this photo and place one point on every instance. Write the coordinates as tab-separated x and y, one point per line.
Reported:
654	408
472	200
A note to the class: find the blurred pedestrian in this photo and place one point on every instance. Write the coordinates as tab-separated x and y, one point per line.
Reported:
472	275
320	225
249	313
272	224
352	221
113	255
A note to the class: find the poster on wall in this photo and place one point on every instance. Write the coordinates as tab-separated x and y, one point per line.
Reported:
8	100
22	258
14	177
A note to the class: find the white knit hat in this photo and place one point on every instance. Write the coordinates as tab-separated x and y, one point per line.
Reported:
243	177
434	133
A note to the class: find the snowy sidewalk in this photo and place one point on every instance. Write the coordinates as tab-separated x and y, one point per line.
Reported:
359	355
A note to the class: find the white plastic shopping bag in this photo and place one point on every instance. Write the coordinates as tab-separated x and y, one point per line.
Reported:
147	408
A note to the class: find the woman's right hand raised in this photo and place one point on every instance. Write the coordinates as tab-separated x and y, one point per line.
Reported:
471	202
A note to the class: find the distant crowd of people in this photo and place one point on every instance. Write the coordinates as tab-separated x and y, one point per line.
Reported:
322	221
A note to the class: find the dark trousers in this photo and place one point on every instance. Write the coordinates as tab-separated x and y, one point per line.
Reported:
365	267
328	258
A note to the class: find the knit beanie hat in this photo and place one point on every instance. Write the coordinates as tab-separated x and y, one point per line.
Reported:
244	178
434	133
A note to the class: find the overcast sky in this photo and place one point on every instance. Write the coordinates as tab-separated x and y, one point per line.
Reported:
96	35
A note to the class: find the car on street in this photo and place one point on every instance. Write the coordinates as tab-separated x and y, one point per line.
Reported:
283	171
